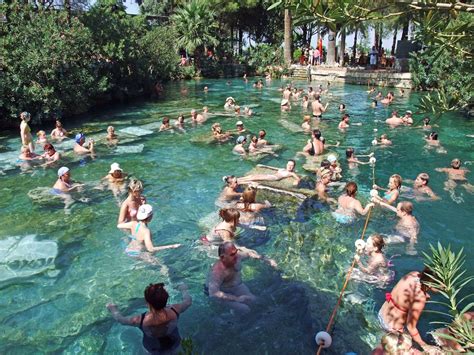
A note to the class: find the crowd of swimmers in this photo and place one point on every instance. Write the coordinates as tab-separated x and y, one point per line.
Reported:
239	207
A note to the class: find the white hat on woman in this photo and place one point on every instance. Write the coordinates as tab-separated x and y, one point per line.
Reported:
63	170
115	167
144	211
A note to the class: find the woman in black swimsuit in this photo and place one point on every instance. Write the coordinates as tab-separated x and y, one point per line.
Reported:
160	324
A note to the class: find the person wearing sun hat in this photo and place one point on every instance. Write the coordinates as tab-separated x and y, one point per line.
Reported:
285	105
408	119
140	234
116	179
240	145
79	148
63	183
229	103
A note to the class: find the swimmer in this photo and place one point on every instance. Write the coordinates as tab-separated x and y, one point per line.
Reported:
377	265
230	192
379	95
197	117
280	174
374	103
240	130
322	185
344	122
180	122
408	118
79	145
420	186
336	171
261	138
317	108
159	324
111	136
394	120
237	110
285	105
59	132
383	140
314	146
25	131
408	227
206	89
27	155
129	207
248	111
248	202
42	139
224	231
229	103
116	179
306	125
427	124
388	99
63	183
456	175
396	343
224	282
165	125
342	108
287	93
305	102
253	146
50	154
405	304
311	93
432	139
393	191
349	206
140	234
218	134
239	147
352	160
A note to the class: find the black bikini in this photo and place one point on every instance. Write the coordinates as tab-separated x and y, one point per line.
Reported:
158	345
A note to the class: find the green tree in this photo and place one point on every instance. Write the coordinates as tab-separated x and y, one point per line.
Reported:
196	26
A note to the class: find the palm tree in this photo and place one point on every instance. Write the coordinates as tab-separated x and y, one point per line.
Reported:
196	25
288	42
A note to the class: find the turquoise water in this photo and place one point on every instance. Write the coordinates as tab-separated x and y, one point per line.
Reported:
58	305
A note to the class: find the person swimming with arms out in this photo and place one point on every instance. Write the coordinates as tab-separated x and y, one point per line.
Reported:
141	243
129	207
50	155
159	324
280	174
391	194
456	175
421	188
239	147
349	206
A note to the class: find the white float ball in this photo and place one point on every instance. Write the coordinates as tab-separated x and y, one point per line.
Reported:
375	129
323	339
372	160
374	193
359	244
374	142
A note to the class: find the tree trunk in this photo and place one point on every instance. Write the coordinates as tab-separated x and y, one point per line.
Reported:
354	47
376	32
241	35
288	38
310	35
331	56
304	29
232	39
342	48
67	7
405	30
394	41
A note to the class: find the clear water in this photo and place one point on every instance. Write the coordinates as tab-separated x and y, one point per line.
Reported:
60	307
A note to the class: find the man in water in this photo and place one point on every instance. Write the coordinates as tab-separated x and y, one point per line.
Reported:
196	117
79	146
420	186
317	107
64	183
224	281
408	118
456	175
287	93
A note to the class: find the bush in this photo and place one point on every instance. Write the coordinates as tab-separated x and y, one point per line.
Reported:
263	56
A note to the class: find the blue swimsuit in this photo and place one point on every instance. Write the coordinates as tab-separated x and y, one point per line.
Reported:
133	252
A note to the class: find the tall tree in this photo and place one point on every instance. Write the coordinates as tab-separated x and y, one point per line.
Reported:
288	42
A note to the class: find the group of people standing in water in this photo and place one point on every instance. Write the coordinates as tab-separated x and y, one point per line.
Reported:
239	207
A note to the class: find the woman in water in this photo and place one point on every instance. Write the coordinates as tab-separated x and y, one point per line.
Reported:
129	208
306	125
218	134
384	140
225	230
42	139
248	207
160	324
230	192
314	146
165	125
404	305
140	234
50	154
279	175
393	191
116	179
239	148
349	206
352	159
25	132
58	132
377	266
180	122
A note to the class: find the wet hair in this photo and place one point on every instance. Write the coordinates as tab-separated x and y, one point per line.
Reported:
397	179
229	215
317	133
41	133
254	139
248	197
58	123
181	116
166	120
375	102
292	161
224	247
424	177
317	97
351	188
344	116
392	343
395	113
343	106
310	88
262	133
135	185
378	241
156	296
433	136
305	97
407	207
306	118
456	163
349	152
426	120
325	164
383	136
227	179
48	146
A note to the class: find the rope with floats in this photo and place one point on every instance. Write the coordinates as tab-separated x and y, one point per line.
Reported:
323	338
